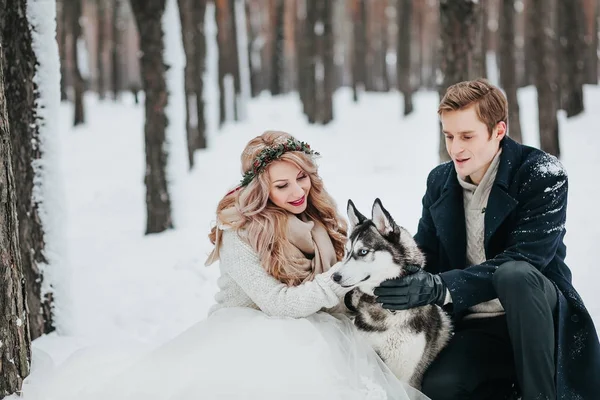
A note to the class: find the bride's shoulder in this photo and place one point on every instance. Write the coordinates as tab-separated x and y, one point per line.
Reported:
236	239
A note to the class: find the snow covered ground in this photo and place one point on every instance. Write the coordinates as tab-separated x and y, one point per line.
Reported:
124	285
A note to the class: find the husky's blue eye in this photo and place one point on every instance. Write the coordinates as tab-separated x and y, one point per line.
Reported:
363	252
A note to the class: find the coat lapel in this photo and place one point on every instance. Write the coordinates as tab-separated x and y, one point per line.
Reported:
501	203
448	215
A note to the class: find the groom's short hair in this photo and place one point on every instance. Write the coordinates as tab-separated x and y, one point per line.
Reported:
490	102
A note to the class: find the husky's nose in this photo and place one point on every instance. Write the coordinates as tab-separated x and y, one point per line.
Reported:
337	277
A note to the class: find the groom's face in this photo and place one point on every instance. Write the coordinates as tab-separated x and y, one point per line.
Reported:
469	143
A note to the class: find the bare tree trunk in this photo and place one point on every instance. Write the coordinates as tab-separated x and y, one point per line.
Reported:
572	55
359	59
385	76
310	43
458	28
101	26
403	58
541	17
266	47
594	52
234	62
148	16
290	53
255	45
191	13
481	40
508	69
228	60
74	12
528	45
115	47
61	34
320	67
14	322
325	44
21	96
223	19
304	43
375	48
277	54
433	47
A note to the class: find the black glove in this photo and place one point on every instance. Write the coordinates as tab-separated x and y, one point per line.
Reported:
415	290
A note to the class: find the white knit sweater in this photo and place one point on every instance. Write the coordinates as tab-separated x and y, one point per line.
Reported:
245	283
475	198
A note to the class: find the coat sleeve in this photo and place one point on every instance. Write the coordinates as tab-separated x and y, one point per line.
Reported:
426	236
273	297
538	231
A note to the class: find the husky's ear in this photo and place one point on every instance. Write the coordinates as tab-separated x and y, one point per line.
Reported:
383	220
354	216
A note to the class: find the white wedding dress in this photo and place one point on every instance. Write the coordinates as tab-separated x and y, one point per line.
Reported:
236	353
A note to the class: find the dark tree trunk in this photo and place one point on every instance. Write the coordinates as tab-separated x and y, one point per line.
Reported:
385	78
277	54
234	61
61	34
223	42
320	73
148	16
21	96
265	48
420	32
359	58
528	46
508	67
304	45
228	60
545	63
14	323
101	8
594	48
403	59
74	12
254	47
191	13
458	28
571	55
326	48
115	47
375	47
310	63
481	40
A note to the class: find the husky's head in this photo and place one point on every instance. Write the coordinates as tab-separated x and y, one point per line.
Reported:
378	250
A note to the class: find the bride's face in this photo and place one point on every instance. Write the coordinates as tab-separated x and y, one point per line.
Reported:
289	186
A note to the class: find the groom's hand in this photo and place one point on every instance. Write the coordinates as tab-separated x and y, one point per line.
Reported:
415	290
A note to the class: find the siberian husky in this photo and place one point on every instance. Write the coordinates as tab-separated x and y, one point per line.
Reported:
407	341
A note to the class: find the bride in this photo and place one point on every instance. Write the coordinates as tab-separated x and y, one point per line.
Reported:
278	328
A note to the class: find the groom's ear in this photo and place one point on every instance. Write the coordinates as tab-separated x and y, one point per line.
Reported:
383	220
355	217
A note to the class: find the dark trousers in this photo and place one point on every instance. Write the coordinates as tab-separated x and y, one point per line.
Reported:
487	356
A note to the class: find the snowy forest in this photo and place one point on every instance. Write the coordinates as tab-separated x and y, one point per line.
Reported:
61	61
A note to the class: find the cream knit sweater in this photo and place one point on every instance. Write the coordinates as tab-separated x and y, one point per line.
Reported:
475	198
245	283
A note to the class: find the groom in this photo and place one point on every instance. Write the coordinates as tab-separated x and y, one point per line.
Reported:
492	228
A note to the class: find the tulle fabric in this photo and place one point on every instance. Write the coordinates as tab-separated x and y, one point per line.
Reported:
236	353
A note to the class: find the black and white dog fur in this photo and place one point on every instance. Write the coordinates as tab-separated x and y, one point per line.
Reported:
407	341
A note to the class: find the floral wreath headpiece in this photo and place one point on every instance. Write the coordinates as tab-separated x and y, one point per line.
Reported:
272	153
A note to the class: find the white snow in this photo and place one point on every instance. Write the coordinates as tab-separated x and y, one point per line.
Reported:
123	285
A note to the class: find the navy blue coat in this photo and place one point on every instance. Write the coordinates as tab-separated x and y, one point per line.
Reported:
524	220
